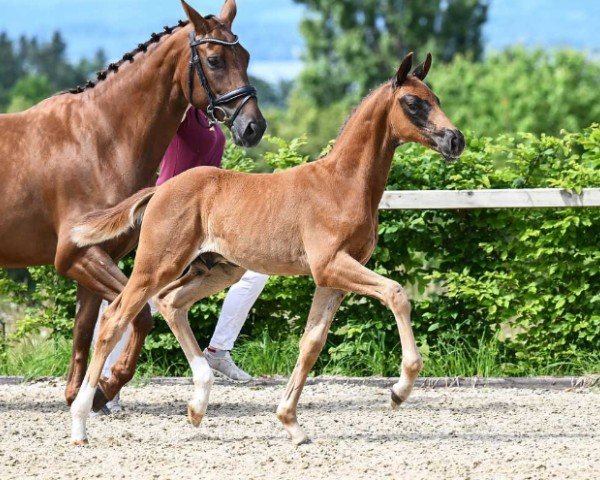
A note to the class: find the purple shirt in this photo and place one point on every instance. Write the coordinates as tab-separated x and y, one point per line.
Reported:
194	145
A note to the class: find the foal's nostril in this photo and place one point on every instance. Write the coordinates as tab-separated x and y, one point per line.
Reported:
454	143
457	142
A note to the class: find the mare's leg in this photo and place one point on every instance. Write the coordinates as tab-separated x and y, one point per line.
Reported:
347	274
326	302
174	303
86	314
95	270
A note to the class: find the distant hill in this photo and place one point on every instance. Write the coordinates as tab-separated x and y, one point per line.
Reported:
269	29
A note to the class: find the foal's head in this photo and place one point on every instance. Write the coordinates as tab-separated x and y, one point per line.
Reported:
224	65
416	114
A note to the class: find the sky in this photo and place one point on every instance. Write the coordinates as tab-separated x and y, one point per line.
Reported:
271	33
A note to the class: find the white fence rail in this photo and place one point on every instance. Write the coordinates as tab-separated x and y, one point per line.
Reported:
470	199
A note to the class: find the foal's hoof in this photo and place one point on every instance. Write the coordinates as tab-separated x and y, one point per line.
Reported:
100	400
301	440
80	443
396	401
194	416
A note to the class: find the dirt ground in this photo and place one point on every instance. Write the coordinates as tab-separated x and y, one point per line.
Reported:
438	434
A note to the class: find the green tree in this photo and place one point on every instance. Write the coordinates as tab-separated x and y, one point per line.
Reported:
10	68
353	45
28	91
520	90
50	59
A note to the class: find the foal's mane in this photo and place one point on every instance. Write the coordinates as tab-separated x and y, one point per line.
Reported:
362	102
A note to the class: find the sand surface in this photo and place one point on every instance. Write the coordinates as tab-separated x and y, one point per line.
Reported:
438	434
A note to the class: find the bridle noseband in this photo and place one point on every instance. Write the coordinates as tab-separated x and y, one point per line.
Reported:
247	92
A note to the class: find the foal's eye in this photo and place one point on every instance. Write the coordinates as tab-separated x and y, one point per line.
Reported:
215	62
411	103
412	107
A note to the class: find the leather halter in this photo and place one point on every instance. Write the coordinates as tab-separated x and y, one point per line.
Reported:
215	103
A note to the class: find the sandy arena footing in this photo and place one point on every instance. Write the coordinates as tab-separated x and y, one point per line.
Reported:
449	433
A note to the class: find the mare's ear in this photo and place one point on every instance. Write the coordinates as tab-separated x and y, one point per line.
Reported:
423	69
228	12
198	21
403	71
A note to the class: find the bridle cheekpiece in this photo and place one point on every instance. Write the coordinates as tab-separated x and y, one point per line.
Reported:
215	103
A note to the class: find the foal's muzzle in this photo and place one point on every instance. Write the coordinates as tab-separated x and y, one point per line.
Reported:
450	143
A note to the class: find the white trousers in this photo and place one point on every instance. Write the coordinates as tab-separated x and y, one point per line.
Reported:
236	307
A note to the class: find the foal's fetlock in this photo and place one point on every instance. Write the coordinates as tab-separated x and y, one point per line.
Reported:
292	427
401	391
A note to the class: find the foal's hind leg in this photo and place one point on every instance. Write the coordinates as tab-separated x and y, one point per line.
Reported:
147	280
95	270
347	274
115	320
326	302
174	303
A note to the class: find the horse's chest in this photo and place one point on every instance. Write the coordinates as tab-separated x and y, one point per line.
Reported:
358	236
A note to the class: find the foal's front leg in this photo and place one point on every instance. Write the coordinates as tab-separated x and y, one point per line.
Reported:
326	302
347	274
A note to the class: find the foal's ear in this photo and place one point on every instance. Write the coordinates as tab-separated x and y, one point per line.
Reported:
403	71
423	69
198	21
228	12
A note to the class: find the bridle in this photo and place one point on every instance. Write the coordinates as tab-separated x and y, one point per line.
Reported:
247	92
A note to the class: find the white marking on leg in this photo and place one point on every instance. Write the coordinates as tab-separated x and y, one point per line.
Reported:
80	410
203	380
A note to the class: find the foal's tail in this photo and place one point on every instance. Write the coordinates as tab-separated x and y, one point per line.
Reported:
102	225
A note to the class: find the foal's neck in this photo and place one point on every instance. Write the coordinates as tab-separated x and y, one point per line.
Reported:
364	150
140	108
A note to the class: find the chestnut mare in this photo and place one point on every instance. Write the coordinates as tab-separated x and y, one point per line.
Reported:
91	148
317	219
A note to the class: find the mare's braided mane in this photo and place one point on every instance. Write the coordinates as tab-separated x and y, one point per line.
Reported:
128	57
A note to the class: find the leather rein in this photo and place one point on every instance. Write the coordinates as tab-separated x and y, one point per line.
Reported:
215	103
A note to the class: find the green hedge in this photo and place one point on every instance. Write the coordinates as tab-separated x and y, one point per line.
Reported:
526	279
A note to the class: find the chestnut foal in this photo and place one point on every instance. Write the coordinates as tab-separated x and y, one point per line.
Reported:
317	219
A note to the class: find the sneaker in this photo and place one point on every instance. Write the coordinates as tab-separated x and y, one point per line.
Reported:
114	405
110	408
223	365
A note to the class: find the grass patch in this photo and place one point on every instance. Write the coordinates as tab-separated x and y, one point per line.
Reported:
36	357
44	357
266	356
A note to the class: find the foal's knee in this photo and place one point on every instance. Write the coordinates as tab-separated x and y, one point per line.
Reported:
396	297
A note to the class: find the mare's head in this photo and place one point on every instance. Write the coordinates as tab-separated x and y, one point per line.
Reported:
417	116
223	63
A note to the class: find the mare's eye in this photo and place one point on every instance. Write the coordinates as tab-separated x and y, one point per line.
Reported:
215	62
